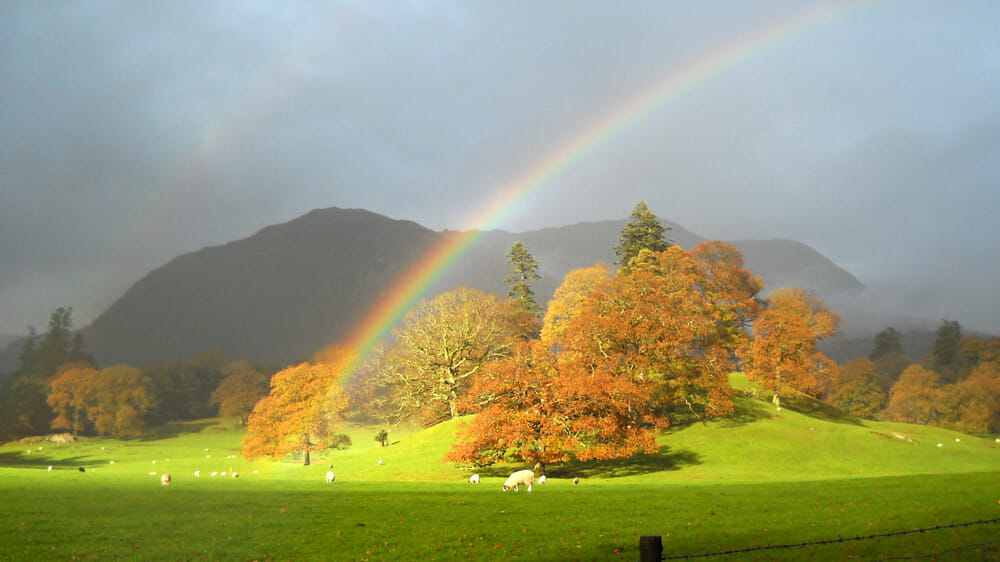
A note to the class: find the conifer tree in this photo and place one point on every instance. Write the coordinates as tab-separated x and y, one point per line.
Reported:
525	271
643	232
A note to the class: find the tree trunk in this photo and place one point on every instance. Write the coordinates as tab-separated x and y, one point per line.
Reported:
305	455
776	400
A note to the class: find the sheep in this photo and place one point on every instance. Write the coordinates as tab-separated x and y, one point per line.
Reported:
197	473
50	468
81	469
474	479
235	474
541	480
165	479
330	476
576	480
525	477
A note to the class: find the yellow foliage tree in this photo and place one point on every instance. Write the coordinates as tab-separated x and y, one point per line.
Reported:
784	352
302	411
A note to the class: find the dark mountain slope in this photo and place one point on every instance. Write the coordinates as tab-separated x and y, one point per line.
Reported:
287	291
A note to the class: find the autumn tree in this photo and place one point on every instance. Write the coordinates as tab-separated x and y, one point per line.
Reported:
440	346
532	407
642	232
566	303
784	352
240	390
916	397
855	389
302	411
973	405
520	278
117	400
668	318
68	398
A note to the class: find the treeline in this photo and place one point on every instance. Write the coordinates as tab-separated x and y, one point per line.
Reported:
957	385
56	385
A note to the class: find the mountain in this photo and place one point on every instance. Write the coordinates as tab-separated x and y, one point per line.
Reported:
292	288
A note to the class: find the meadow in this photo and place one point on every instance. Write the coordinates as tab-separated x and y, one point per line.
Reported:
805	473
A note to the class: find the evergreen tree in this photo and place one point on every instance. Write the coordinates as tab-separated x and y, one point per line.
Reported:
643	232
944	354
886	341
525	271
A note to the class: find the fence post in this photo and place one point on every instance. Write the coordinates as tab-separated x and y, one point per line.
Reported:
650	548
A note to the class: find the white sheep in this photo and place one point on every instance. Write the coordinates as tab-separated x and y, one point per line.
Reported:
541	480
165	479
330	476
576	480
197	473
474	479
525	477
235	474
50	468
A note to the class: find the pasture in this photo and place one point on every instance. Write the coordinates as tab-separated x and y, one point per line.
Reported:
806	473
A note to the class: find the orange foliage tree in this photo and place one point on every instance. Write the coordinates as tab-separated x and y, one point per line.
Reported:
117	399
670	319
973	405
531	407
916	397
569	297
657	339
855	389
302	411
784	352
68	398
240	390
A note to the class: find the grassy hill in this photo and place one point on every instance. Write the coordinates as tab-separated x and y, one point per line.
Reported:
804	473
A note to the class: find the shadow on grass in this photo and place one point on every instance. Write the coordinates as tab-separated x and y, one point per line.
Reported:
818	409
664	460
38	461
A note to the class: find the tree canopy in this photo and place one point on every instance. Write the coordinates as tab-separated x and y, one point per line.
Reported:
642	232
302	411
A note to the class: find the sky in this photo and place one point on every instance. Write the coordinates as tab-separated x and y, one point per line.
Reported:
134	132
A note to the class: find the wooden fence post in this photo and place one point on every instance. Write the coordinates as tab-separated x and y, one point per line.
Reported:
650	548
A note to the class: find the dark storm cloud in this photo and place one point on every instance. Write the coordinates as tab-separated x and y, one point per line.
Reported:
133	132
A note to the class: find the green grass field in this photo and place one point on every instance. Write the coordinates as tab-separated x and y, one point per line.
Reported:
805	473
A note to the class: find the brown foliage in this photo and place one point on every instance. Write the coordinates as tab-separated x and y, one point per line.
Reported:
534	408
302	410
784	351
240	390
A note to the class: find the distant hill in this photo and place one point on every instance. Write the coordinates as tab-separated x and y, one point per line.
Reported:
292	288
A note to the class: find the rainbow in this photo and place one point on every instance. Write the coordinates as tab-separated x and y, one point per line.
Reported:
406	292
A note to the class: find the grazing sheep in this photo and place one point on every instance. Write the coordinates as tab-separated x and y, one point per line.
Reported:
576	480
215	473
474	479
50	468
236	474
81	469
525	477
165	479
541	480
197	473
330	476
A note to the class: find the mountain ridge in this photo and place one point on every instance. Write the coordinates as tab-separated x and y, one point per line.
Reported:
292	288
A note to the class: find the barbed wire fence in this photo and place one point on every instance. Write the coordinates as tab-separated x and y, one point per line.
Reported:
651	546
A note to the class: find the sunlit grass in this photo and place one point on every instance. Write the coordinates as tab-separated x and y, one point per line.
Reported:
762	477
